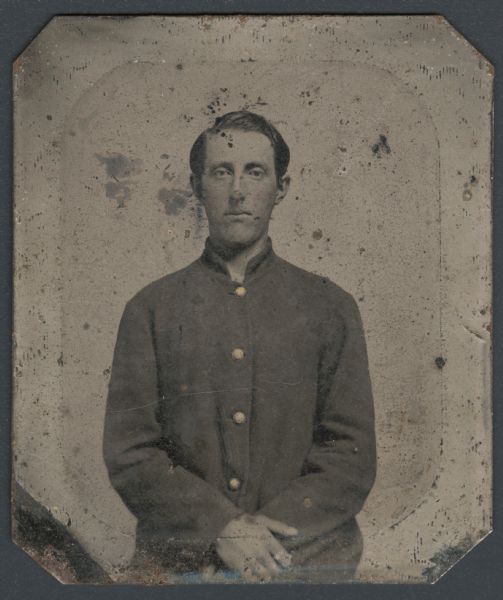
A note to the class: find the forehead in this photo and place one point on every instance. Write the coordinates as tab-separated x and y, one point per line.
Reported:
235	145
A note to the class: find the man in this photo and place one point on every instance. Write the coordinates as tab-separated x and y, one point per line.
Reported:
239	427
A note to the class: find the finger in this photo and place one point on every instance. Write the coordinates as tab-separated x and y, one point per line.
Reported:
208	572
282	556
269	563
277	526
249	575
261	571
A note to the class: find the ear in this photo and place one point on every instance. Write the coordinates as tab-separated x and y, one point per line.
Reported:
195	184
283	186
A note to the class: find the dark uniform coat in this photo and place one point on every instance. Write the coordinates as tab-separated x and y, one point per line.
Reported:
228	398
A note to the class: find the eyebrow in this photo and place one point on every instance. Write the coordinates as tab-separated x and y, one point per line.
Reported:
230	167
252	165
218	165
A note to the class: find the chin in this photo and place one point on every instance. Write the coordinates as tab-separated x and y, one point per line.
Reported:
237	243
239	238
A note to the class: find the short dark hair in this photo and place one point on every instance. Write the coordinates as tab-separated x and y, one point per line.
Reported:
243	120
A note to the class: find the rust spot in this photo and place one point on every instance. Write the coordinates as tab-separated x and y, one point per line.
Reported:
17	64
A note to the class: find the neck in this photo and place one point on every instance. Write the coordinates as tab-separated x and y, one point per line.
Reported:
237	260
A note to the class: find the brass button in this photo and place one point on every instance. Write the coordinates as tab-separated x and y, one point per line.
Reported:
240	291
238	354
239	417
234	483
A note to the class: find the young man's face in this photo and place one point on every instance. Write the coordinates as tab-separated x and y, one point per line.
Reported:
239	187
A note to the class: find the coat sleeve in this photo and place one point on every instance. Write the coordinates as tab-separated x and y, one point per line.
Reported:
339	470
180	513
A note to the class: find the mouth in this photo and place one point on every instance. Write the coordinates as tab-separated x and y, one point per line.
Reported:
238	213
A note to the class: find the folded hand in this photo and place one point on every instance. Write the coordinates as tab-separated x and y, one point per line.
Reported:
247	544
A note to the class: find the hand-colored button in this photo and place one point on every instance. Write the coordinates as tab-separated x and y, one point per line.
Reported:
234	483
240	291
238	354
239	417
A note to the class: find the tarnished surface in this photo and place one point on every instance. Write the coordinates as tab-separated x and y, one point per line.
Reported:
389	124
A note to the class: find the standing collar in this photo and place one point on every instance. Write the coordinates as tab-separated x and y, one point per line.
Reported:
214	258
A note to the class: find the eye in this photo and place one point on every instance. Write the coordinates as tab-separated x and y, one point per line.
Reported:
221	172
256	173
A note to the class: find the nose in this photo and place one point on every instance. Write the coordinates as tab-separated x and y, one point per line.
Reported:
237	191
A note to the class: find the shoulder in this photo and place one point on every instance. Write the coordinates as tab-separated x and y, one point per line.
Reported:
316	288
158	291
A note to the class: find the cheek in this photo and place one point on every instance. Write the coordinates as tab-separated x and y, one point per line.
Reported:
215	195
264	197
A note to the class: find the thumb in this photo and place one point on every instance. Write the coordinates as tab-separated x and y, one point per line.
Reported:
277	526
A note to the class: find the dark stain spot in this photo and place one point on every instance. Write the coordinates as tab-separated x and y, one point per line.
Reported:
49	117
445	558
118	166
381	146
118	191
473	179
107	371
60	360
440	362
167	175
179	66
51	544
186	234
174	200
317	235
86	325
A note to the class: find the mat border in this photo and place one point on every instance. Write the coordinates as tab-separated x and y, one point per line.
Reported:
478	574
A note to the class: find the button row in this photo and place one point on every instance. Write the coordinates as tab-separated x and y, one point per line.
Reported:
238	354
234	483
239	417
